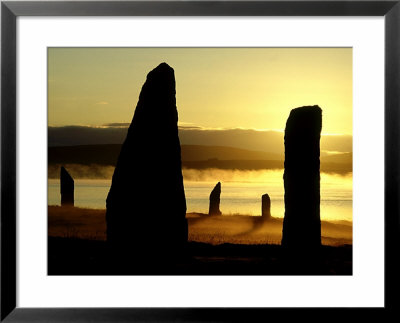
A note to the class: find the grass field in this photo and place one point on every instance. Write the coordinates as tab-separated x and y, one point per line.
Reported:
218	245
235	229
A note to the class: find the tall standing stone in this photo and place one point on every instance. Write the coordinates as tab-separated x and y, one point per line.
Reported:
301	224
146	206
215	197
66	188
265	206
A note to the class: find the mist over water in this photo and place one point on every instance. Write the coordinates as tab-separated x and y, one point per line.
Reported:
241	191
79	171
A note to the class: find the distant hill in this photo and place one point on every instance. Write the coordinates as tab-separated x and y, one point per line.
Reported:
84	154
196	157
341	158
108	154
247	139
199	153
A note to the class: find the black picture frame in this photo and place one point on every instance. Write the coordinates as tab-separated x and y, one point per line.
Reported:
10	10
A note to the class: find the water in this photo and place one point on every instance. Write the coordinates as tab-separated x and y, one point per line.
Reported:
241	192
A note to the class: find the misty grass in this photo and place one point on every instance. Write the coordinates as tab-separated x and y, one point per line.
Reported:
84	223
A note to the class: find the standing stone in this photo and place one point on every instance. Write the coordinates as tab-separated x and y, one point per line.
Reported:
146	206
266	206
302	224
215	197
66	188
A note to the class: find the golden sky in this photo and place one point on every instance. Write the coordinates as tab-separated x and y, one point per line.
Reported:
252	88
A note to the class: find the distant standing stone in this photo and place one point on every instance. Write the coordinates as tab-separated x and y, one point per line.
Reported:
66	188
215	200
302	224
266	206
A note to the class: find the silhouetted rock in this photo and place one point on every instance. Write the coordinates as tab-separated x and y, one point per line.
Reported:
301	224
215	196
266	206
66	188
146	206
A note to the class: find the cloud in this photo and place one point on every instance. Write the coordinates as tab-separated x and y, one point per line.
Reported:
190	127
117	125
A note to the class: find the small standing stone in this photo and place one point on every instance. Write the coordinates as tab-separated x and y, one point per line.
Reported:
215	200
66	188
266	206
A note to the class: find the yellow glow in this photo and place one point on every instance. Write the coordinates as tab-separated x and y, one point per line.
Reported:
216	87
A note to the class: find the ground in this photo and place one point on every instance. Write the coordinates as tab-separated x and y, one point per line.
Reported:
218	245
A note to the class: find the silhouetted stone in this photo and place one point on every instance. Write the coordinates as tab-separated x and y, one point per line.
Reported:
146	206
266	206
301	224
214	200
66	188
